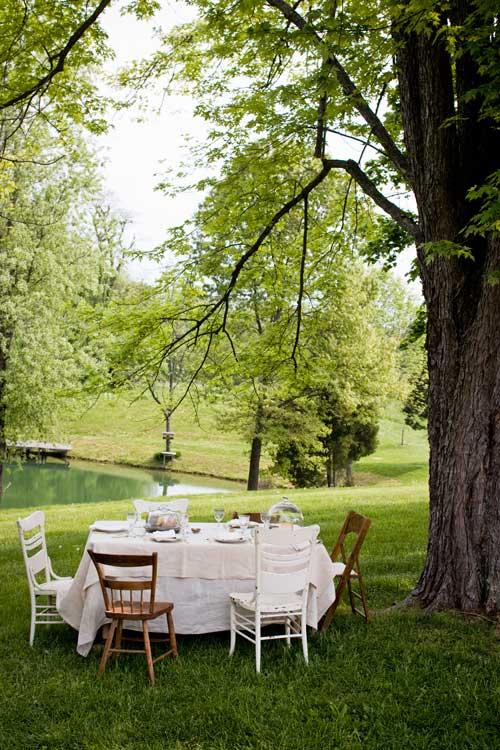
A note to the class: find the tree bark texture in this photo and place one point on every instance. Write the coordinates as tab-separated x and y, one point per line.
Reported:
462	569
3	409
331	474
254	466
349	478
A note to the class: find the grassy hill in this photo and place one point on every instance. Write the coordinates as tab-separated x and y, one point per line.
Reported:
128	430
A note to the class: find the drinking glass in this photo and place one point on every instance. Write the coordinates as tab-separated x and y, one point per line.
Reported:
184	526
218	515
266	519
130	522
244	520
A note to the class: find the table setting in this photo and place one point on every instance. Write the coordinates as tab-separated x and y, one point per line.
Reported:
199	565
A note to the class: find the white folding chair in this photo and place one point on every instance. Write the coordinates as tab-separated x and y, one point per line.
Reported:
282	573
38	566
147	506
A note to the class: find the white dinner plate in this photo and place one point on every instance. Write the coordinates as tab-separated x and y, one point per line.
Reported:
236	524
171	539
228	540
163	536
109	527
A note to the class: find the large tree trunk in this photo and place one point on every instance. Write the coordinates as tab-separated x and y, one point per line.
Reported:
330	471
3	415
462	569
256	450
349	478
463	561
254	466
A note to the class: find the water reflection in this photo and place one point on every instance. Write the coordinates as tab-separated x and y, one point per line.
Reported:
53	483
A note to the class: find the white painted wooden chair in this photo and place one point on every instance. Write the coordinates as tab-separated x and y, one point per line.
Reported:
147	506
44	585
282	573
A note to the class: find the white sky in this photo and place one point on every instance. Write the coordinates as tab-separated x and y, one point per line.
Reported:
139	153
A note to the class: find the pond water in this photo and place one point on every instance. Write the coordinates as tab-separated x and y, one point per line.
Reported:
53	483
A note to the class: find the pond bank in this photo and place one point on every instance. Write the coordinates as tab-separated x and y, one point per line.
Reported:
155	466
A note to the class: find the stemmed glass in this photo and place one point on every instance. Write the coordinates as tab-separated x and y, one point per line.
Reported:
184	526
266	519
244	520
218	515
130	522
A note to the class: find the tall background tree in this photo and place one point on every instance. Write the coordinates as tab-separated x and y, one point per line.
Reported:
417	88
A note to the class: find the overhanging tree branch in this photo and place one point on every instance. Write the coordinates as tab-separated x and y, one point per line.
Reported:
195	331
368	186
301	281
57	61
348	87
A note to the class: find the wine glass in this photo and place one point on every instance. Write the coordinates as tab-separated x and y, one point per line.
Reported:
265	517
130	522
244	520
218	515
184	526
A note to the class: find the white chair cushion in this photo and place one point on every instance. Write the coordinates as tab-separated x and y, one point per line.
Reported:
54	587
270	603
338	570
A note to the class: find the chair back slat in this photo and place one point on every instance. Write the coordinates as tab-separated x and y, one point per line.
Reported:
34	547
122	589
33	521
38	561
283	559
354	524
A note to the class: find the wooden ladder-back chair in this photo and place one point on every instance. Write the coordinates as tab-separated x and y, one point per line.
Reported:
121	604
45	586
348	570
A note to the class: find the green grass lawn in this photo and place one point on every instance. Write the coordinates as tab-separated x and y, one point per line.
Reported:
406	680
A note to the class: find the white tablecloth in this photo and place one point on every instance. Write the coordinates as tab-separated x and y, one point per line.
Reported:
197	575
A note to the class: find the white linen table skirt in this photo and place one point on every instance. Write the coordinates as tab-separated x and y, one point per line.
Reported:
197	576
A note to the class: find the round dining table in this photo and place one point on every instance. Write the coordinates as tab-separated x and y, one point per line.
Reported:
196	572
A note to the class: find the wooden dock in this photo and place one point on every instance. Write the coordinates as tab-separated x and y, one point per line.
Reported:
40	451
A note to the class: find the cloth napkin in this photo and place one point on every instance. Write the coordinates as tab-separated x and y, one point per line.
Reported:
170	534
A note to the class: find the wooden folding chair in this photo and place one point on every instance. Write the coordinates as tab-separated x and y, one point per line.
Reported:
349	569
120	605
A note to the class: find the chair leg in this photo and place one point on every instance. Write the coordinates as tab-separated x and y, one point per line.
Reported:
257	644
303	632
107	647
287	631
333	607
351	596
232	642
171	634
363	597
118	641
33	620
147	648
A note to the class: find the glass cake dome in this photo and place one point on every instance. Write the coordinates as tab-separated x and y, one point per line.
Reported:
286	512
